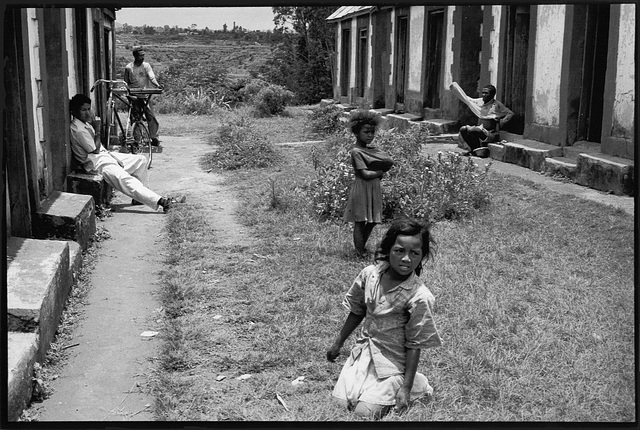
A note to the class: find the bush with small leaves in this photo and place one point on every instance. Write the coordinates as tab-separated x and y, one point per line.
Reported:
242	146
272	99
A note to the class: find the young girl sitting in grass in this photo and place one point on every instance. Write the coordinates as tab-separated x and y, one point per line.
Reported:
364	207
396	307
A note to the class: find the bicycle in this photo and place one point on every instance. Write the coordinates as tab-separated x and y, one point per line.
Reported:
134	137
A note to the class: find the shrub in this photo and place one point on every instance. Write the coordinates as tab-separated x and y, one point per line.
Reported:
448	186
325	120
272	100
242	145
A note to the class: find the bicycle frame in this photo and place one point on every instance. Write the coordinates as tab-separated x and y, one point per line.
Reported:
135	134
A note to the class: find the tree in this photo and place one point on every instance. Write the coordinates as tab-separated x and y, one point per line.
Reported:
302	60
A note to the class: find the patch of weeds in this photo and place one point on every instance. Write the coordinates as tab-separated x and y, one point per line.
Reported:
241	145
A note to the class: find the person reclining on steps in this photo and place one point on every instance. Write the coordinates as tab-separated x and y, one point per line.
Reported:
492	115
126	173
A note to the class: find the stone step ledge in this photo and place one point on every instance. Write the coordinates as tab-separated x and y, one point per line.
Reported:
66	216
38	283
559	167
530	157
401	121
92	184
441	126
605	175
21	357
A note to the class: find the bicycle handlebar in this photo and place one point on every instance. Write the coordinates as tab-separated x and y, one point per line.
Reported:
107	81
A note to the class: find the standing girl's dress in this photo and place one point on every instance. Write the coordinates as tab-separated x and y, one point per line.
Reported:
395	320
365	196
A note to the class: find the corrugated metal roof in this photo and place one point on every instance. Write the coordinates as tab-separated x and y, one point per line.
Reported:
349	11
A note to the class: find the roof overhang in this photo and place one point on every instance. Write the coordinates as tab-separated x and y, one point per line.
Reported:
345	12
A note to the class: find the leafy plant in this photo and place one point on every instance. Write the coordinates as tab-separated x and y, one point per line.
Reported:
325	120
272	100
242	145
444	187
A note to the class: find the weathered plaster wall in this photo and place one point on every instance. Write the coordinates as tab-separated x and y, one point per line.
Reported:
547	64
392	44
369	57
416	39
70	38
623	106
35	87
494	40
354	56
448	48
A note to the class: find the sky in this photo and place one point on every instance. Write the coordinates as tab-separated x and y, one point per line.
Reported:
250	18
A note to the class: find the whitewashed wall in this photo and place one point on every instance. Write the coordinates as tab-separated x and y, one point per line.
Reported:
494	40
70	37
414	50
448	46
623	107
548	64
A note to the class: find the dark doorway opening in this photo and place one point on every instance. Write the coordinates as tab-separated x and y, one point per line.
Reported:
345	61
82	59
435	26
401	58
362	61
514	85
594	68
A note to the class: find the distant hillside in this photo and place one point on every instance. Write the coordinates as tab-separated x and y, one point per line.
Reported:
163	50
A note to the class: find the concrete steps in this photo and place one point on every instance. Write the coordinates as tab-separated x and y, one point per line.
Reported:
40	275
581	163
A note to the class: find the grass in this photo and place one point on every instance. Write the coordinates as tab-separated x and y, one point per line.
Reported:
534	302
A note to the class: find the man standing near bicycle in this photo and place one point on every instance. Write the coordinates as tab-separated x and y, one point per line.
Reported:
139	74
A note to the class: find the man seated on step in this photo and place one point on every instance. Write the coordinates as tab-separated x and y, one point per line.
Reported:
492	115
126	173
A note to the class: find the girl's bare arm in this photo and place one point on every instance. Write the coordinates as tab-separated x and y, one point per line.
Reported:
350	324
411	367
370	174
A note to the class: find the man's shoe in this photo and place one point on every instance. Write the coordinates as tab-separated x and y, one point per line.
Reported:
134	202
165	202
155	142
466	154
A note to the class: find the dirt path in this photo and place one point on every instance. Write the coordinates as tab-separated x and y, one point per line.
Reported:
105	377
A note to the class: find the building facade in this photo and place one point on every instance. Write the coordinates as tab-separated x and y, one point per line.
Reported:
51	54
567	71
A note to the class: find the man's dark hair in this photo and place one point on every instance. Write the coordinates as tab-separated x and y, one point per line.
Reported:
491	89
77	101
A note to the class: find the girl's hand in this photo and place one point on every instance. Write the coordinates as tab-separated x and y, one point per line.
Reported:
402	400
333	352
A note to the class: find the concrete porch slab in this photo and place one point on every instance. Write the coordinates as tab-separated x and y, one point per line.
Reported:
529	154
67	216
605	175
38	283
90	184
442	126
21	357
400	121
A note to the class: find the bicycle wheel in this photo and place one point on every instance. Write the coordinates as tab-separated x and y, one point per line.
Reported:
111	122
141	142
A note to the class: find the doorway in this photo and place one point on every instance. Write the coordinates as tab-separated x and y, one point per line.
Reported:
435	26
345	61
401	59
594	67
514	84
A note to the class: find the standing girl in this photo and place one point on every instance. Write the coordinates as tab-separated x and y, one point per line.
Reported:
364	207
396	307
